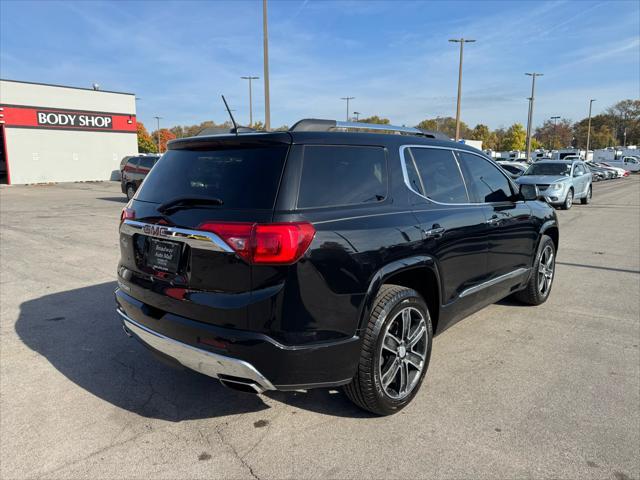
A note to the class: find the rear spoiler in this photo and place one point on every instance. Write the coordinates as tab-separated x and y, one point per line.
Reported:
230	140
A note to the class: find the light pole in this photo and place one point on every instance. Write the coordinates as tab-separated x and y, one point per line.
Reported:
461	41
250	98
531	102
586	153
555	130
265	41
158	130
347	99
357	114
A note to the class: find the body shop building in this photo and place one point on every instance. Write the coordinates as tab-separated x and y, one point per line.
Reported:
54	133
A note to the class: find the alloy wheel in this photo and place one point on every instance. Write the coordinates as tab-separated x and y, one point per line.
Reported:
403	353
546	269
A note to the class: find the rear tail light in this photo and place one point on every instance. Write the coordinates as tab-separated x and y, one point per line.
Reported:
268	243
127	214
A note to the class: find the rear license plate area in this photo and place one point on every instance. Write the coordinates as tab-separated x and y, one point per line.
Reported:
163	255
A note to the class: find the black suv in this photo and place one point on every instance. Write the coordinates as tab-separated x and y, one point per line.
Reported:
323	258
133	171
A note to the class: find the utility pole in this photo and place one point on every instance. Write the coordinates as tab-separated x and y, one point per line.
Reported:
158	131
461	41
357	114
586	153
347	99
555	130
530	119
250	98
265	40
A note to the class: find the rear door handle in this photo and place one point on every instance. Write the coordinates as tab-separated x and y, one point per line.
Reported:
435	232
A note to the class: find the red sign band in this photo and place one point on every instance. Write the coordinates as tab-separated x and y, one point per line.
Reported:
62	119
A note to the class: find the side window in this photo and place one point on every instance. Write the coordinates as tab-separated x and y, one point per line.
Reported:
147	162
486	181
342	175
132	164
438	174
415	181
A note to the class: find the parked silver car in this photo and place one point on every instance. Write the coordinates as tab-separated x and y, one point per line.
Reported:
560	182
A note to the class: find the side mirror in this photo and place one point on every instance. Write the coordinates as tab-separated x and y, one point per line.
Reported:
529	192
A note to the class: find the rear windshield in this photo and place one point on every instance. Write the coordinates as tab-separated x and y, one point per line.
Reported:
241	178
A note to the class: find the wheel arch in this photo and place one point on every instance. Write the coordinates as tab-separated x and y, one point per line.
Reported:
419	273
550	228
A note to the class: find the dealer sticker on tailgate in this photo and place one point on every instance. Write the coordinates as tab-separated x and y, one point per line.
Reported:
163	255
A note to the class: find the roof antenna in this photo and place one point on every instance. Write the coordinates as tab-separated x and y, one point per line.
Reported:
235	126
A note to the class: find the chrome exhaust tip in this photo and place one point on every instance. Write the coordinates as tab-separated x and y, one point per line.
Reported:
241	385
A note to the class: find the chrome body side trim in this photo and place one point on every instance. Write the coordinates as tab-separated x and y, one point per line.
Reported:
195	238
208	363
494	281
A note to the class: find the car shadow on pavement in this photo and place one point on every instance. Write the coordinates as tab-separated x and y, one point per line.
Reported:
79	333
121	199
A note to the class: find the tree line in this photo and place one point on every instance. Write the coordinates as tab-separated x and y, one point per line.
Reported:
617	125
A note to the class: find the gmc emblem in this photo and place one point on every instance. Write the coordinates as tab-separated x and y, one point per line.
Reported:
155	230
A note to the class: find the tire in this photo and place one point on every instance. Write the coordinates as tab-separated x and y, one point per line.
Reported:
587	199
386	348
568	201
130	191
534	293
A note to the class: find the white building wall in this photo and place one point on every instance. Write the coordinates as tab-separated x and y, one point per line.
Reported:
43	156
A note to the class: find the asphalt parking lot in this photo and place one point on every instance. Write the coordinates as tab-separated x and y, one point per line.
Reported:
512	392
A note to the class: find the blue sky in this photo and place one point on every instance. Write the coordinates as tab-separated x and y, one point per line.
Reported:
393	56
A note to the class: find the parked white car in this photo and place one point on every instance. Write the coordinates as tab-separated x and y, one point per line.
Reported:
620	171
628	162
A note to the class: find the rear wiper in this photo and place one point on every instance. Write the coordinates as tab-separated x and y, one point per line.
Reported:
182	202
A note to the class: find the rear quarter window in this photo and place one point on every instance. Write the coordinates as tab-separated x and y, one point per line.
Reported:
342	175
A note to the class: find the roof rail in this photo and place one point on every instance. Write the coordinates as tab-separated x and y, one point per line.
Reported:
320	125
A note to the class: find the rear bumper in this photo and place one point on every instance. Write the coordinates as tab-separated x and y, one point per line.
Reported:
208	363
237	355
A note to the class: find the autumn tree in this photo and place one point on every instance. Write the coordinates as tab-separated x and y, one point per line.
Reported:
625	116
602	132
445	125
145	142
375	119
165	136
554	136
258	125
515	138
483	133
428	125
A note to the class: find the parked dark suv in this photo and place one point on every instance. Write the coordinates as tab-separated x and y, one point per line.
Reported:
322	258
133	171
